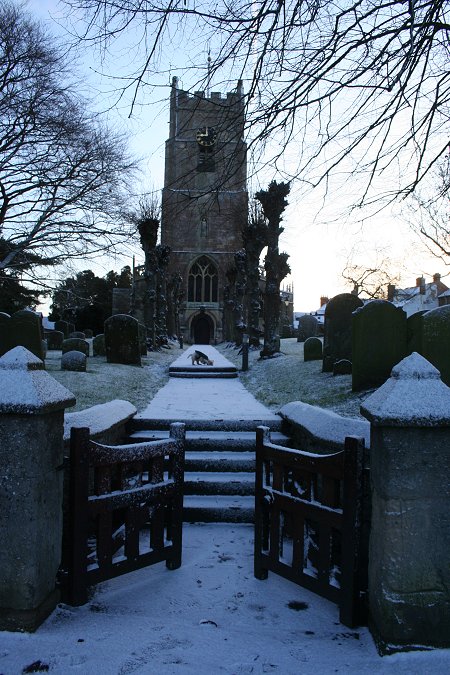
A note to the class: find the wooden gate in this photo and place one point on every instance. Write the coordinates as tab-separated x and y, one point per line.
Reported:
308	516
125	509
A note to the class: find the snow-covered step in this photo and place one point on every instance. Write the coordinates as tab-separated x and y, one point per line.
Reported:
219	483
219	460
218	508
204	440
199	374
140	423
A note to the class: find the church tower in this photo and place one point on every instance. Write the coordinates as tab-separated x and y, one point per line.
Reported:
204	202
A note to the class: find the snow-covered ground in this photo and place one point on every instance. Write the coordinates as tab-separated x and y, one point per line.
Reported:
209	616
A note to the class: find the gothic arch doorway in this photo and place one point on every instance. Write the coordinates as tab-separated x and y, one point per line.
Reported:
202	329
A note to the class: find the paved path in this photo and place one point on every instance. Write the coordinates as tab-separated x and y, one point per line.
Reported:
206	399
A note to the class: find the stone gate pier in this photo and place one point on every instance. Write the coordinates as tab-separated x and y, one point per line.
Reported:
31	489
409	557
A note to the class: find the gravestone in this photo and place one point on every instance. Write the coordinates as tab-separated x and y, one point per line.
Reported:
337	341
74	361
98	345
75	344
414	332
55	339
122	342
436	340
312	349
379	343
88	333
342	367
5	343
143	339
62	326
77	334
307	327
24	329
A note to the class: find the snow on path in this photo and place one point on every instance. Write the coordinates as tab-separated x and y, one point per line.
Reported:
207	399
209	617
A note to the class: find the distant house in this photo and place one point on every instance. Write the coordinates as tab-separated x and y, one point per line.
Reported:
422	296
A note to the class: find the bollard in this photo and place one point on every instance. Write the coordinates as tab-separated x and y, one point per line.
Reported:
245	341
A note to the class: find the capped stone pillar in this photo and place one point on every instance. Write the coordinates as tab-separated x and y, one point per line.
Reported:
31	489
409	551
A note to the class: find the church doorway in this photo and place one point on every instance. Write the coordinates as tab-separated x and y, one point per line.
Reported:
202	329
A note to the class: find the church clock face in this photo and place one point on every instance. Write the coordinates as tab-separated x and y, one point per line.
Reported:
206	136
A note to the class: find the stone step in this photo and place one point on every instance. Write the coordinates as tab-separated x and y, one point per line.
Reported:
235	424
202	369
211	374
220	461
219	483
218	509
210	440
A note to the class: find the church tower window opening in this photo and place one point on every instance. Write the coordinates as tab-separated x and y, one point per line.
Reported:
203	281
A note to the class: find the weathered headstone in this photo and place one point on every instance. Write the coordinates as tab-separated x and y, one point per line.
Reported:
77	334
62	326
307	327
337	341
312	349
24	329
121	300
98	345
379	343
122	340
55	339
414	332
75	344
342	367
436	340
74	360
88	333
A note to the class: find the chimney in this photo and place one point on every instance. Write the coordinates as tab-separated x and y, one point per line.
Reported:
437	278
420	283
323	300
390	292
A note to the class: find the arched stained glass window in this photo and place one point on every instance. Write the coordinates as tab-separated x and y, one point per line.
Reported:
203	281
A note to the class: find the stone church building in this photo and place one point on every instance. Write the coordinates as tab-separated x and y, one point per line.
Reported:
204	202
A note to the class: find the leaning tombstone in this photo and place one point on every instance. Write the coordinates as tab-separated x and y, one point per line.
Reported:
436	340
122	340
307	327
414	332
337	341
31	489
77	334
75	344
26	330
74	360
55	339
378	343
98	345
312	349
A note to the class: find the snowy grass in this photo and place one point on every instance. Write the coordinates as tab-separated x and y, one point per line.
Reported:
288	378
273	382
104	381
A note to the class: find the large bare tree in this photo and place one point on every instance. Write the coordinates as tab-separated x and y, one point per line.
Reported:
358	85
63	175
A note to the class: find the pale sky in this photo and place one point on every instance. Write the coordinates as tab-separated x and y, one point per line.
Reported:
318	251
